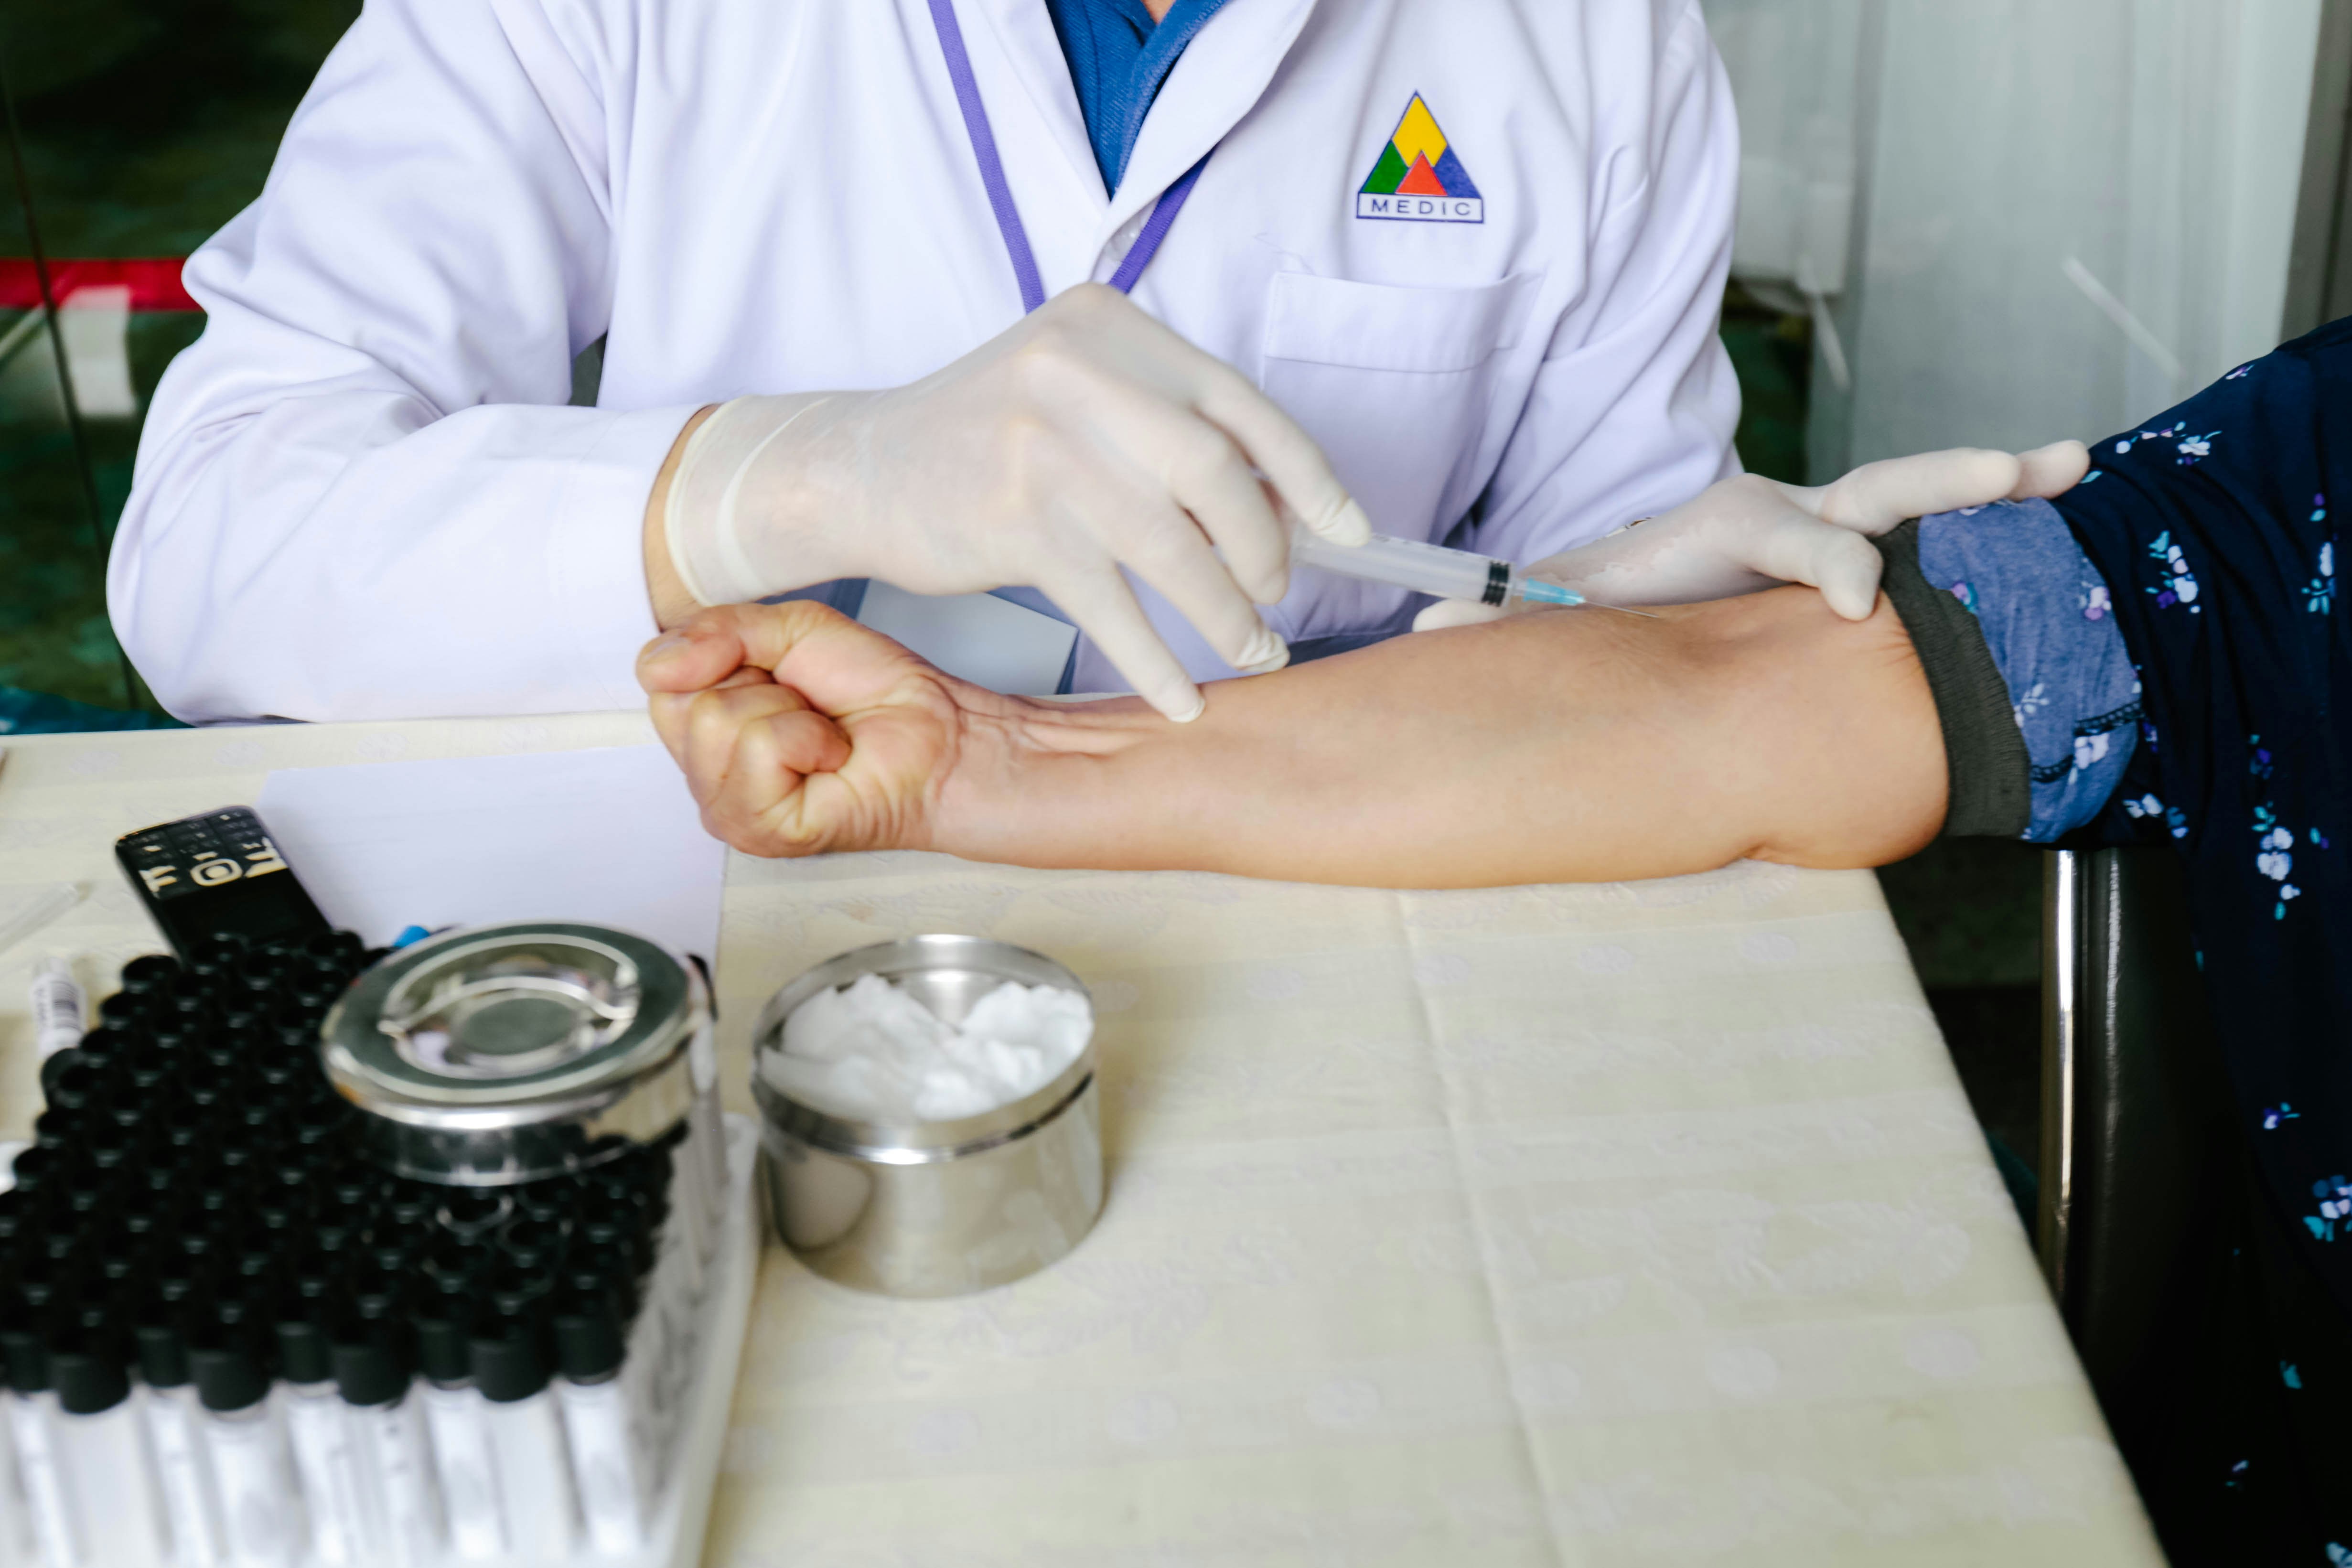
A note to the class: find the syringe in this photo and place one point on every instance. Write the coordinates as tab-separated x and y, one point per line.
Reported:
1431	569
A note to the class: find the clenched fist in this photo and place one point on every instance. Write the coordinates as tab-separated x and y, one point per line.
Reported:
800	732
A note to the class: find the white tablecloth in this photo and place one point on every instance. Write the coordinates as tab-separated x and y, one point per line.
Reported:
1559	1225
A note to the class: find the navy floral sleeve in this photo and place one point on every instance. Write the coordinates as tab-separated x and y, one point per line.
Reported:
2213	528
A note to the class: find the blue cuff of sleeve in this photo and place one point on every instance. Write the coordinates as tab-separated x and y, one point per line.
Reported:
2050	626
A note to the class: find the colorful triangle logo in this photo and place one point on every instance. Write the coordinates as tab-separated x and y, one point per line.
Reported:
1418	178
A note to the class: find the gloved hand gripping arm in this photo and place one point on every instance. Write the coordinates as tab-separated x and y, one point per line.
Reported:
1087	437
1748	532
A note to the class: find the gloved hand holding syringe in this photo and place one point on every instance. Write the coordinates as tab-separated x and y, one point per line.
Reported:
1739	535
1435	570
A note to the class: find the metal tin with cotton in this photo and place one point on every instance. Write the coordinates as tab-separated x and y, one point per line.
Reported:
510	1053
932	1208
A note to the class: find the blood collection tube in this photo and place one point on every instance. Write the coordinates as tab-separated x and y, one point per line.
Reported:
658	1332
191	1508
394	1460
608	1455
321	1443
261	1526
26	1298
458	1418
534	1471
32	1418
16	1544
101	1454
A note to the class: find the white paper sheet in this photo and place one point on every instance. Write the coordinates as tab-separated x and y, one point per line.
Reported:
607	836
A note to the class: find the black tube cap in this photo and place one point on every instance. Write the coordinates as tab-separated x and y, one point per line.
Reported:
588	1343
341	949
254	1257
510	1366
89	1377
227	1376
532	1244
216	953
207	1083
162	1356
338	1229
610	1234
148	972
27	1358
295	1025
390	1251
410	1203
144	1211
369	1372
32	1169
284	1064
313	990
70	1065
518	1292
374	1297
70	1081
188	995
110	1146
121	1256
356	1187
441	1350
177	1276
55	1129
147	1064
303	1355
320	1122
546	1202
129	1006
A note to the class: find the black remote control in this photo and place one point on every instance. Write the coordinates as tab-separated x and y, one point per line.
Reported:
217	874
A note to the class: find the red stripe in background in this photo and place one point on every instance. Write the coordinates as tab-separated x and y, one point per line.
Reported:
153	281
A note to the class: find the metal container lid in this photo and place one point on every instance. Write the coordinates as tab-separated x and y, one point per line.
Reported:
948	974
510	1053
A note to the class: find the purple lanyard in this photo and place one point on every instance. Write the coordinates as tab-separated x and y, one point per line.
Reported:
1000	194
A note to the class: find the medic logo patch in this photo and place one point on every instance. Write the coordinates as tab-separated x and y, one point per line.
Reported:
1418	179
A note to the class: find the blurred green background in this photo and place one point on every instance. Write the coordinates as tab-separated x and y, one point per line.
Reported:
135	128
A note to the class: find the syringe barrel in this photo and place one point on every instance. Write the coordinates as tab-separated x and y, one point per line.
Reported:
1426	568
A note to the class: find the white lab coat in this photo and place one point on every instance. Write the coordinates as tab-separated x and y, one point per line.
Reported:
362	495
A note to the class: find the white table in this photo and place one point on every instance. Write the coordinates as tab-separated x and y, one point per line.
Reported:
1559	1225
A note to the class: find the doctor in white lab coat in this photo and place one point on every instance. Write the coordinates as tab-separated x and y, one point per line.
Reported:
362	494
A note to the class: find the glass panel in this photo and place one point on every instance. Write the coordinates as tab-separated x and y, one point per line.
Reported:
2012	223
137	128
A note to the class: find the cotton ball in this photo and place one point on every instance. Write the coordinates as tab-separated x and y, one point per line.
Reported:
869	1014
873	1051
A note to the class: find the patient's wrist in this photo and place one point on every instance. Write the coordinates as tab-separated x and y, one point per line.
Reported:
1042	782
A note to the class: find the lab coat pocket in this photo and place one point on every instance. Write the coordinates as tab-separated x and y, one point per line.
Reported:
1396	384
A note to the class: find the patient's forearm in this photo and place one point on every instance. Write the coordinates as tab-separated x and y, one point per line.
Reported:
1561	747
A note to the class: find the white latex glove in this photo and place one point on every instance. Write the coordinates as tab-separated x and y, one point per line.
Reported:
1086	437
1749	532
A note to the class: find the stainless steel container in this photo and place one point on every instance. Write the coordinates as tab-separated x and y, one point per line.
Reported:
932	1208
508	1053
